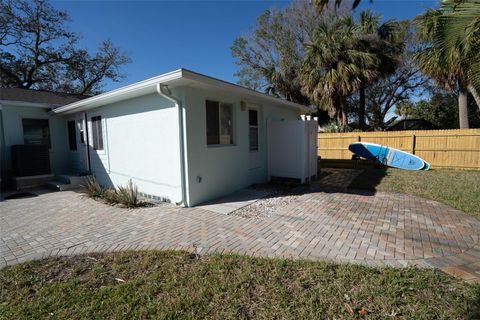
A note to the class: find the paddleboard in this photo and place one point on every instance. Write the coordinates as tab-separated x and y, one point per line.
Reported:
388	156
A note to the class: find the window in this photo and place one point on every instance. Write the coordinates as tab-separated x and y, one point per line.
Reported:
36	132
219	123
81	131
97	135
72	136
253	129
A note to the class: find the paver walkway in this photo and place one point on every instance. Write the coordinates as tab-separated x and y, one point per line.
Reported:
345	226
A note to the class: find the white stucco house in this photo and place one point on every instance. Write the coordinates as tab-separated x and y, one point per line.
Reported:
181	136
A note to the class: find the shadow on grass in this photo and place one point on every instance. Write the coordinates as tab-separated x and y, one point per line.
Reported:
369	179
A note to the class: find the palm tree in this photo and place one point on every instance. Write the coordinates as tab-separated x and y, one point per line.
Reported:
452	59
334	67
464	23
385	42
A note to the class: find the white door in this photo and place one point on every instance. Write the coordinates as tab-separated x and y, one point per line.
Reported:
77	145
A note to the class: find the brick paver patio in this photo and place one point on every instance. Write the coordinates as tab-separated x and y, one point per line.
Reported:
345	226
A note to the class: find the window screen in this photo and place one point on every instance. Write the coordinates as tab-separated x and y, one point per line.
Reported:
97	135
253	129
72	136
219	123
213	130
226	124
36	132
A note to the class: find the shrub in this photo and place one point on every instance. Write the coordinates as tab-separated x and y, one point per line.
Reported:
334	127
127	196
93	189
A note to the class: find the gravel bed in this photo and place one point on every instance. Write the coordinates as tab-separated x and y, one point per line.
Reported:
278	196
265	207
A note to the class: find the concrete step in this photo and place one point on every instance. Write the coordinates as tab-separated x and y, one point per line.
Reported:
61	186
73	179
21	183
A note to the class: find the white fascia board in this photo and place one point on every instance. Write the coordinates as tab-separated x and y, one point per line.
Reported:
227	86
149	85
123	93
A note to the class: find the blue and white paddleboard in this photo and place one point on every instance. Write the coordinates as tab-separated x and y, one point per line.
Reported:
388	156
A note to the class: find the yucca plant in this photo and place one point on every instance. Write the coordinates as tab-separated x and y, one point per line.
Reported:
93	189
128	195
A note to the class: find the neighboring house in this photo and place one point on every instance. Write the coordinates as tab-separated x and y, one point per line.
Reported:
180	136
411	124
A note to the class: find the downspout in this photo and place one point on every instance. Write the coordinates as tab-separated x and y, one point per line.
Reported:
3	149
87	142
164	92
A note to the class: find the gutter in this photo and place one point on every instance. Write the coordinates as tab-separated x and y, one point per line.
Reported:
87	143
164	92
3	148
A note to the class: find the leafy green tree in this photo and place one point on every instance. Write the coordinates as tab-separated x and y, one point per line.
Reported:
37	51
322	4
270	55
452	58
406	83
440	109
335	67
386	42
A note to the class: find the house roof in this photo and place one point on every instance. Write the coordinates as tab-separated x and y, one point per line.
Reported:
40	98
180	77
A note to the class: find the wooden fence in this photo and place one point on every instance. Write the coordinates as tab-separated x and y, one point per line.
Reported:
458	148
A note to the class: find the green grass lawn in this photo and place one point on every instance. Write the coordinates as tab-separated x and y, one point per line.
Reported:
457	188
169	284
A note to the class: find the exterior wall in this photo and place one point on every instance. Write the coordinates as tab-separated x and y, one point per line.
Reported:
12	130
214	171
140	138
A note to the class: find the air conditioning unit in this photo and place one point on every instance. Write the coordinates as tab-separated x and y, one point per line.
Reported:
30	160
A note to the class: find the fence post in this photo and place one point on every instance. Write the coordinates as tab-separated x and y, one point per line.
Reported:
414	141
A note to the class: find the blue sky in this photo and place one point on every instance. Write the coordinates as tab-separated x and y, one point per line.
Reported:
161	36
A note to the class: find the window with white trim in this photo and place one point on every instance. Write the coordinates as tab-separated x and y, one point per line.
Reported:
219	123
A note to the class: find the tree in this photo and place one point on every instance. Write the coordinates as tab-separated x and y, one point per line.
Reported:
439	110
452	57
37	51
322	4
383	96
335	67
384	41
270	56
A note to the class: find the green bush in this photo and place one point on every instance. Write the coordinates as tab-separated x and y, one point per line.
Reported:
334	127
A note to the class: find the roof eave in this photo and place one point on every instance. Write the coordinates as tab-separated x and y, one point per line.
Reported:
149	86
28	104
